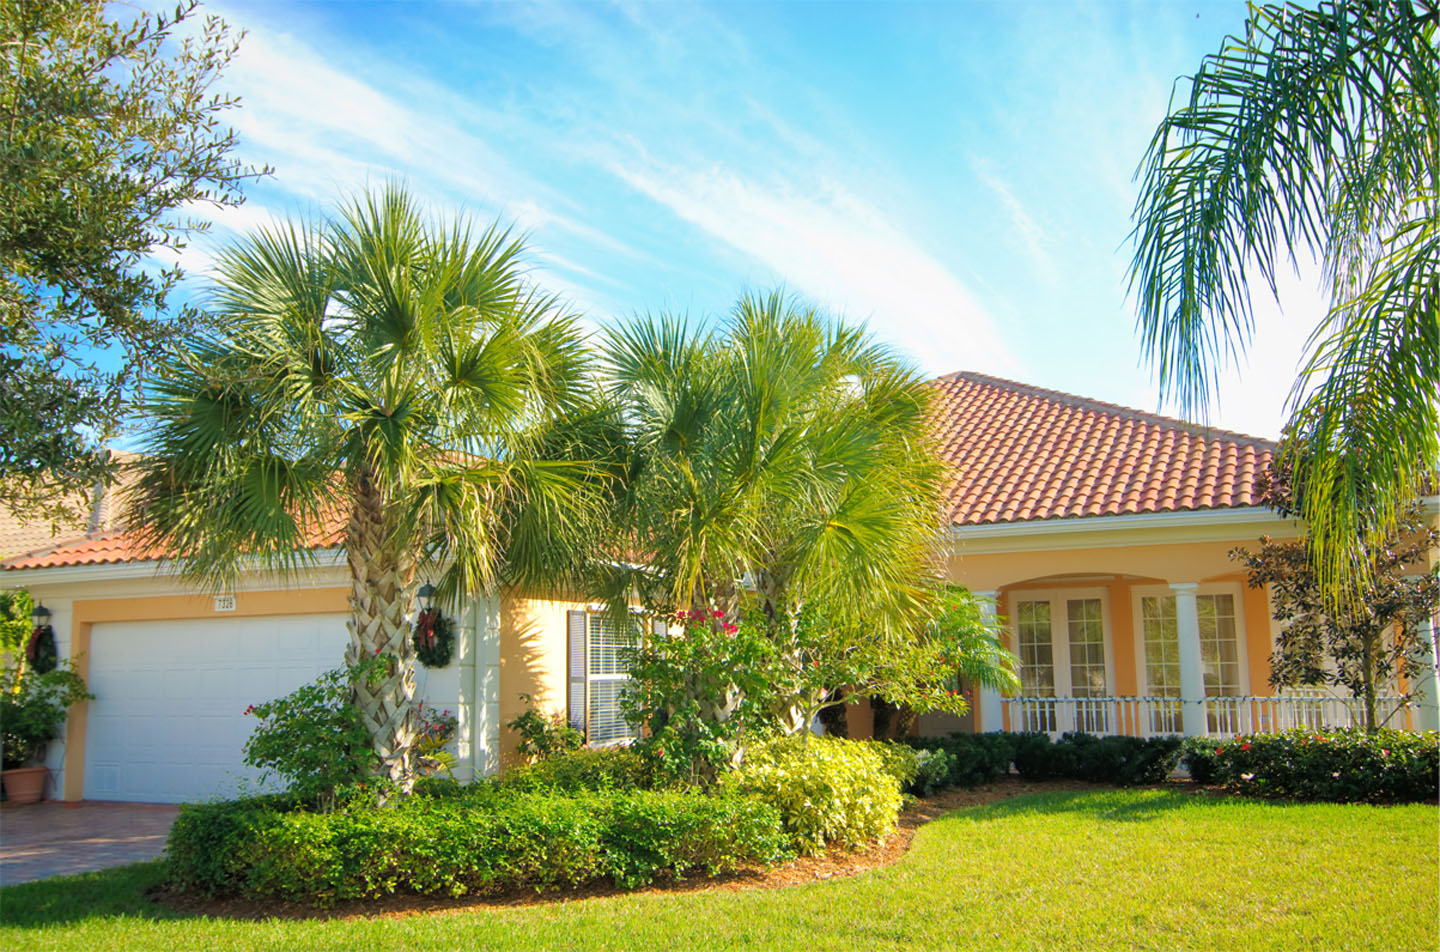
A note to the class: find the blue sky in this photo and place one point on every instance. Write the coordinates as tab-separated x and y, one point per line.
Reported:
956	175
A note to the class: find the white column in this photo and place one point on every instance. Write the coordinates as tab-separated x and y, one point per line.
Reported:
1192	672
987	700
1427	697
485	755
467	741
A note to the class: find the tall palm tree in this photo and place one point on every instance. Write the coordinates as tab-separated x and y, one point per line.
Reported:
1316	131
780	459
379	380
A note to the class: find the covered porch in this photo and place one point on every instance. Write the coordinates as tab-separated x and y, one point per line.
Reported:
1170	640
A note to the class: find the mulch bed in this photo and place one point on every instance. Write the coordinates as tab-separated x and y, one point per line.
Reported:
832	865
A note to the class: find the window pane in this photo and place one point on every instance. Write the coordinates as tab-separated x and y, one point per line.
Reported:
1162	645
1037	653
611	654
1219	646
1087	647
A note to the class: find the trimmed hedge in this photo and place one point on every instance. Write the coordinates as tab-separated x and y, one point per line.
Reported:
1340	766
1123	761
829	791
594	769
487	840
971	759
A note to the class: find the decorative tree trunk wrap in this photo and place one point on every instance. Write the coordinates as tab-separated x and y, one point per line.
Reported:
380	595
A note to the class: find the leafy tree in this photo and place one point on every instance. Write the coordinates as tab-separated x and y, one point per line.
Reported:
1357	645
1315	131
109	131
15	608
378	381
777	476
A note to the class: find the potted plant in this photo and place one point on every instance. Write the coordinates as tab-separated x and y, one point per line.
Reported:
32	710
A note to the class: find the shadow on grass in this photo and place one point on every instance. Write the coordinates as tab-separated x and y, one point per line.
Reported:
121	892
1105	803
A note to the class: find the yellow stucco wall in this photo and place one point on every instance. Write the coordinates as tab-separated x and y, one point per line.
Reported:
533	654
1074	561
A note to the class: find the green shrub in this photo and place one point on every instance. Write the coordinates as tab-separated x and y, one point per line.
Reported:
1198	756
898	760
543	737
919	771
971	758
1123	761
1343	766
314	739
485	840
601	768
830	792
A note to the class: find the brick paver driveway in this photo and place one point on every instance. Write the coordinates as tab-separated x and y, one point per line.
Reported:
45	839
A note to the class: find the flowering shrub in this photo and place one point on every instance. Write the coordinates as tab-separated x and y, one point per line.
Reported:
702	694
434	730
313	738
1342	766
830	792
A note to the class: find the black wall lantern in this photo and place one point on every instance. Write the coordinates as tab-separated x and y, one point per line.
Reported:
40	650
426	594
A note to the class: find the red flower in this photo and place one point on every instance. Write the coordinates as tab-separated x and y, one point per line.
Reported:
1219	750
1384	752
1245	746
718	613
250	709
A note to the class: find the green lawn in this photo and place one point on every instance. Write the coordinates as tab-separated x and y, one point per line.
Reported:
1104	870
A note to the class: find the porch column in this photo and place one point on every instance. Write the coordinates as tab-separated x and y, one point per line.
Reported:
1192	672
1427	698
987	700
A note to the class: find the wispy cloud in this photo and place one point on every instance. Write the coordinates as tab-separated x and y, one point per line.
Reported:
836	249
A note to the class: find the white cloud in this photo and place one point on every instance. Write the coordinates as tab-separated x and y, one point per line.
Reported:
838	250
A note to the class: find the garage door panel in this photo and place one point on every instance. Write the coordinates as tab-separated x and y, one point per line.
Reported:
168	721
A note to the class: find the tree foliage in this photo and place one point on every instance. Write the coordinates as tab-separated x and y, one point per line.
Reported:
777	493
109	132
1358	645
1313	132
378	381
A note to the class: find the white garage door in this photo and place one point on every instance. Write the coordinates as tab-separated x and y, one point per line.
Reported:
168	721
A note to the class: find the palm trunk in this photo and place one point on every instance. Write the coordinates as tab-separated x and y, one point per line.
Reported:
381	583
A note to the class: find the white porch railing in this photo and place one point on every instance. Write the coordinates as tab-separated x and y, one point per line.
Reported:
1224	716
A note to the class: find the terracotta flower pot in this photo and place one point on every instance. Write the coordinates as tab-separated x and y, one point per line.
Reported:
25	784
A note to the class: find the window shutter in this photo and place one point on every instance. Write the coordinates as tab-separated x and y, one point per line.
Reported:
575	630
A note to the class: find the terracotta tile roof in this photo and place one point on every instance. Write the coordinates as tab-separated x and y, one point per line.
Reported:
119	546
1017	453
99	513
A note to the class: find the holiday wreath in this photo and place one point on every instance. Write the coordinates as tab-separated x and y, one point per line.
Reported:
434	639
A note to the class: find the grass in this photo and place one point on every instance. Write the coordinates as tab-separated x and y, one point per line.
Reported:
1104	870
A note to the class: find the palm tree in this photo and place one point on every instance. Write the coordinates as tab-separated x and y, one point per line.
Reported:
780	459
377	380
1316	131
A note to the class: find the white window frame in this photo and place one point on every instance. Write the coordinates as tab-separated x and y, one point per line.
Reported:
578	694
1060	630
1242	641
1065	711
